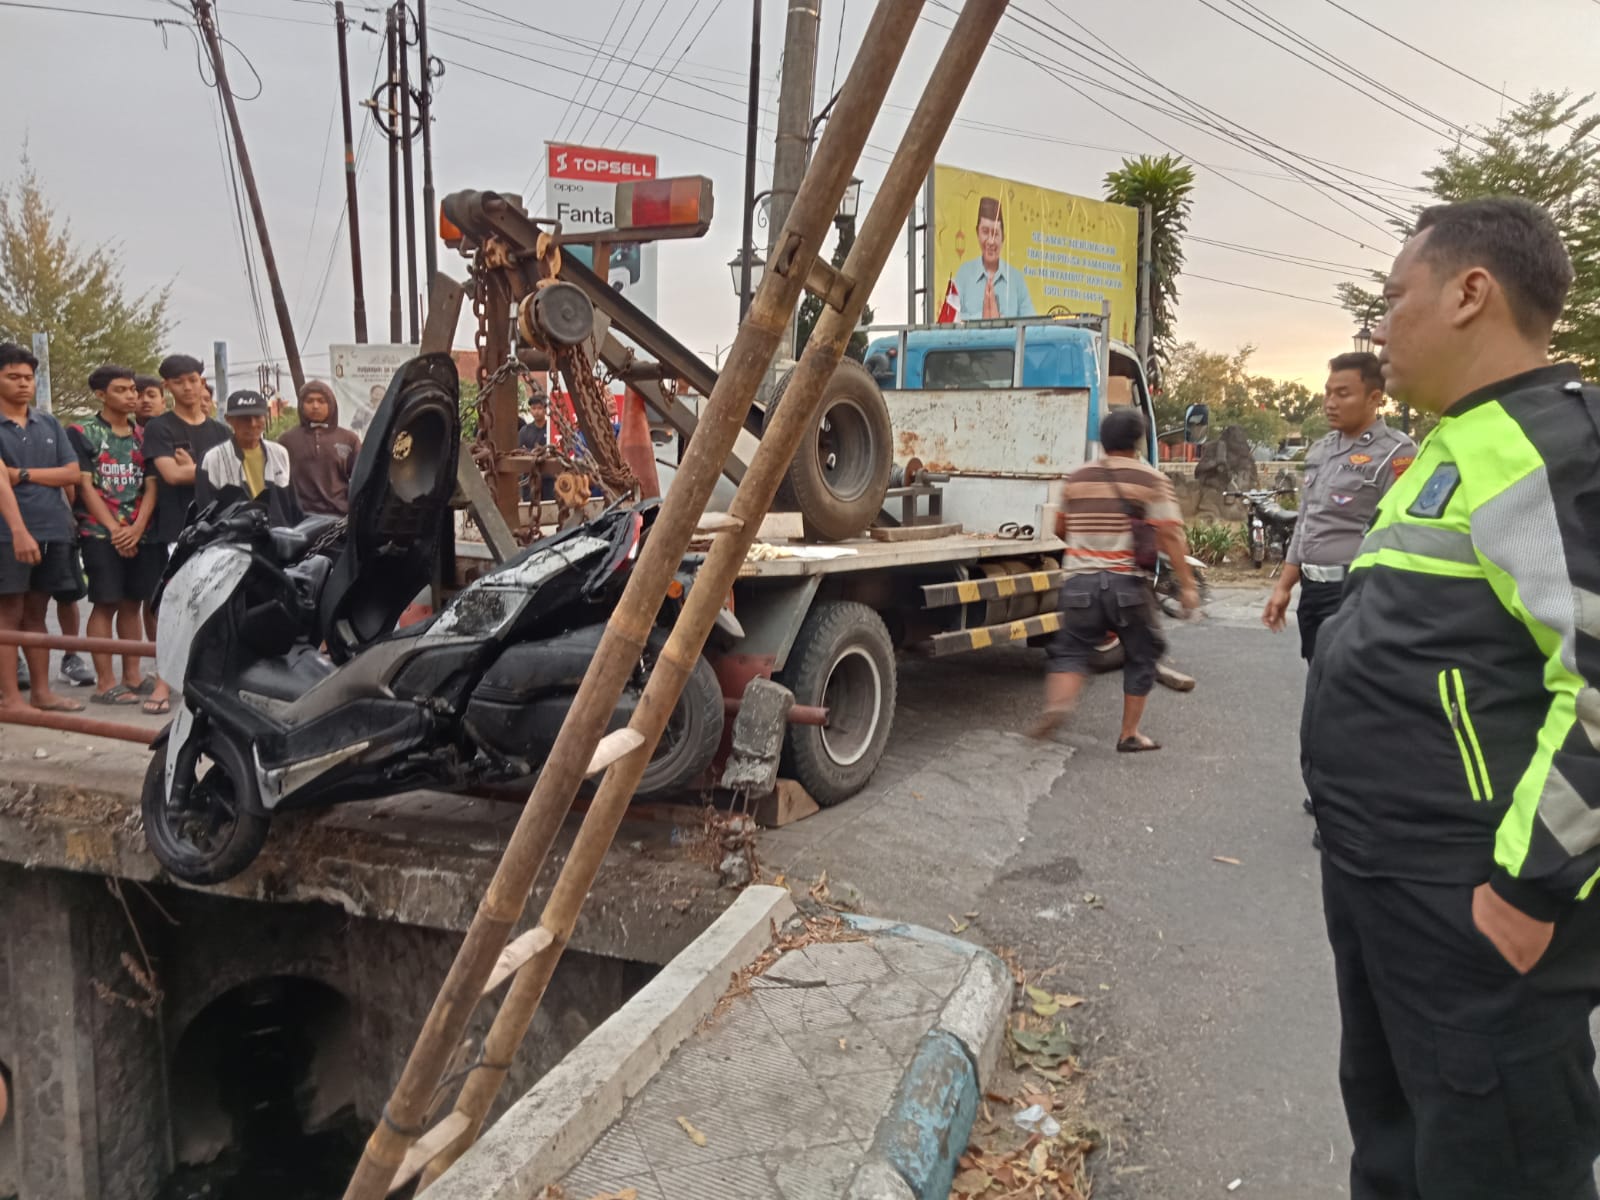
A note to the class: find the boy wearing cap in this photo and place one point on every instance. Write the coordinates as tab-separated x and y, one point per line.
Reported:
249	461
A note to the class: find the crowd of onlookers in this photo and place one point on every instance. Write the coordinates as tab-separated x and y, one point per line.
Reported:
92	510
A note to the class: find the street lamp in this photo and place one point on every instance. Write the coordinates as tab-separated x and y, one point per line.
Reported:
746	266
1363	339
850	202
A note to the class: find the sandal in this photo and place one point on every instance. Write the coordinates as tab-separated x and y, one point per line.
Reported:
157	708
1137	745
146	686
59	706
118	695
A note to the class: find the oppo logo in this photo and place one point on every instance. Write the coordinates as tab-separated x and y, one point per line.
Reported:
616	167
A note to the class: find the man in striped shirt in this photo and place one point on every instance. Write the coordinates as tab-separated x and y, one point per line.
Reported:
1108	562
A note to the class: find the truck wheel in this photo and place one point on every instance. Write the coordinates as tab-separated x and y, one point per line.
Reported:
1107	656
842	660
840	473
690	740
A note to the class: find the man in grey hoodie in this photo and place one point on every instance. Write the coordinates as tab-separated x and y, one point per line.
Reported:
321	455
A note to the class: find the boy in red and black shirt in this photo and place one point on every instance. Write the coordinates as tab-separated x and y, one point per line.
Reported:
115	504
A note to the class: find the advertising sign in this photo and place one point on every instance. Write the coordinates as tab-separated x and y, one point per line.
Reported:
1007	249
361	376
580	191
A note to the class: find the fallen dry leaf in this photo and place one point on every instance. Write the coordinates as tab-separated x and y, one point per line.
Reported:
1223	858
624	1194
1039	1160
955	925
695	1136
1068	1000
974	1181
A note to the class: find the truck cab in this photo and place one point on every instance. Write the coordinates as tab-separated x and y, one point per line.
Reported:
1001	409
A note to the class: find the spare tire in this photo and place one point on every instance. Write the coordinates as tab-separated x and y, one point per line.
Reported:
840	474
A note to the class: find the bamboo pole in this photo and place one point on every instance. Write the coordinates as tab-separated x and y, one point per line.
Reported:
793	421
631	622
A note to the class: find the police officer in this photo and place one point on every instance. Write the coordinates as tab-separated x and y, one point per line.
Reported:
1451	739
1347	472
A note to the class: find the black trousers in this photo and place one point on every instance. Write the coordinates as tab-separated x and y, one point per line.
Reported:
1462	1080
1318	602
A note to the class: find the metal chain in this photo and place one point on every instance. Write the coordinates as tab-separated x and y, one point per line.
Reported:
594	411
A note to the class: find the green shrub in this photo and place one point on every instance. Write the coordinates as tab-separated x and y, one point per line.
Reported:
1211	542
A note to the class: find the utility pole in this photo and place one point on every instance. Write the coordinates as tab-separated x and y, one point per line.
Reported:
350	176
219	360
793	145
1143	329
413	321
430	205
208	29
392	31
41	392
752	128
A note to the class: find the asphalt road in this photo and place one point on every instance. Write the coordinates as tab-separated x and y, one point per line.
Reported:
1211	1027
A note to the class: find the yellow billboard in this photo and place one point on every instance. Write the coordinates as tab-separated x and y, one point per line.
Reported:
1007	249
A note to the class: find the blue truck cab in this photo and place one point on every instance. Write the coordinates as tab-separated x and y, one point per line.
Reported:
1004	408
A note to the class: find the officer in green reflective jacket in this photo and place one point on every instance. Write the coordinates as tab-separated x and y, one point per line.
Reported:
1451	739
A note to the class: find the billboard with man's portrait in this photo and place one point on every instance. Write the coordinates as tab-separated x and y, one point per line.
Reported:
1005	249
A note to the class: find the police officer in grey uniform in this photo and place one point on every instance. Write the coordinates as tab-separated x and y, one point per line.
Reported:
1347	472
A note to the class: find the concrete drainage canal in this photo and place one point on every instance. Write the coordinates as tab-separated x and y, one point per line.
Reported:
165	1044
262	1087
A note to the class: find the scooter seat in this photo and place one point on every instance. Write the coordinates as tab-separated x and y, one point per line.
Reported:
290	543
287	678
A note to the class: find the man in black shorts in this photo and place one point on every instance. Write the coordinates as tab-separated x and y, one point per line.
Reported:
116	501
39	465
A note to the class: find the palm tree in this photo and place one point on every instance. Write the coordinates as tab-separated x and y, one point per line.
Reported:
1164	184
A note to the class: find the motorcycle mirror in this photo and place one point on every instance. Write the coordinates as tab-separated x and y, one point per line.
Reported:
1196	423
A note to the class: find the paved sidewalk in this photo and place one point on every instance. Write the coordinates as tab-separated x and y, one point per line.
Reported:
787	1085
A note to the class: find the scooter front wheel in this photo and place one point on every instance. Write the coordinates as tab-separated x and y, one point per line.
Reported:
219	831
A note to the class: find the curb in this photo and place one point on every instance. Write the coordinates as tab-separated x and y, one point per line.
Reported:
920	1139
546	1132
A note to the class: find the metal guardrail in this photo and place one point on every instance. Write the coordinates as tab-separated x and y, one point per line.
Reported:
77	722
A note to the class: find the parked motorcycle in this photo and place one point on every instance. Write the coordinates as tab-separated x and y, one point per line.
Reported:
293	689
1268	525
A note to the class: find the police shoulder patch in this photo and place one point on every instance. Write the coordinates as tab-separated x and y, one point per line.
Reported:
1436	493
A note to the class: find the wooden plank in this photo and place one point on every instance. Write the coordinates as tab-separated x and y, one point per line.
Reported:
427	1148
782	527
874	556
445	297
988	635
968	591
486	514
914	533
518	952
784	806
614	746
718	522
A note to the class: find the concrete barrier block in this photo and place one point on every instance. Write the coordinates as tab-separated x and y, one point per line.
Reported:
930	1117
976	1011
875	1179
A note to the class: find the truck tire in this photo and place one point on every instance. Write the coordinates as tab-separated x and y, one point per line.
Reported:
1108	656
843	660
690	740
840	474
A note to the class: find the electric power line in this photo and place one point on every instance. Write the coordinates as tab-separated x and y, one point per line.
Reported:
1250	287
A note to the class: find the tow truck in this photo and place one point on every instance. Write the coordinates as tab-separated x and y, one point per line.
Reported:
922	503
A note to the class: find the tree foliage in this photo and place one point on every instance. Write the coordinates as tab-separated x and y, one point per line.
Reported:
1166	185
49	283
1223	381
811	306
1546	151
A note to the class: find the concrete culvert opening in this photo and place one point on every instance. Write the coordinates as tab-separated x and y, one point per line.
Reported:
263	1092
